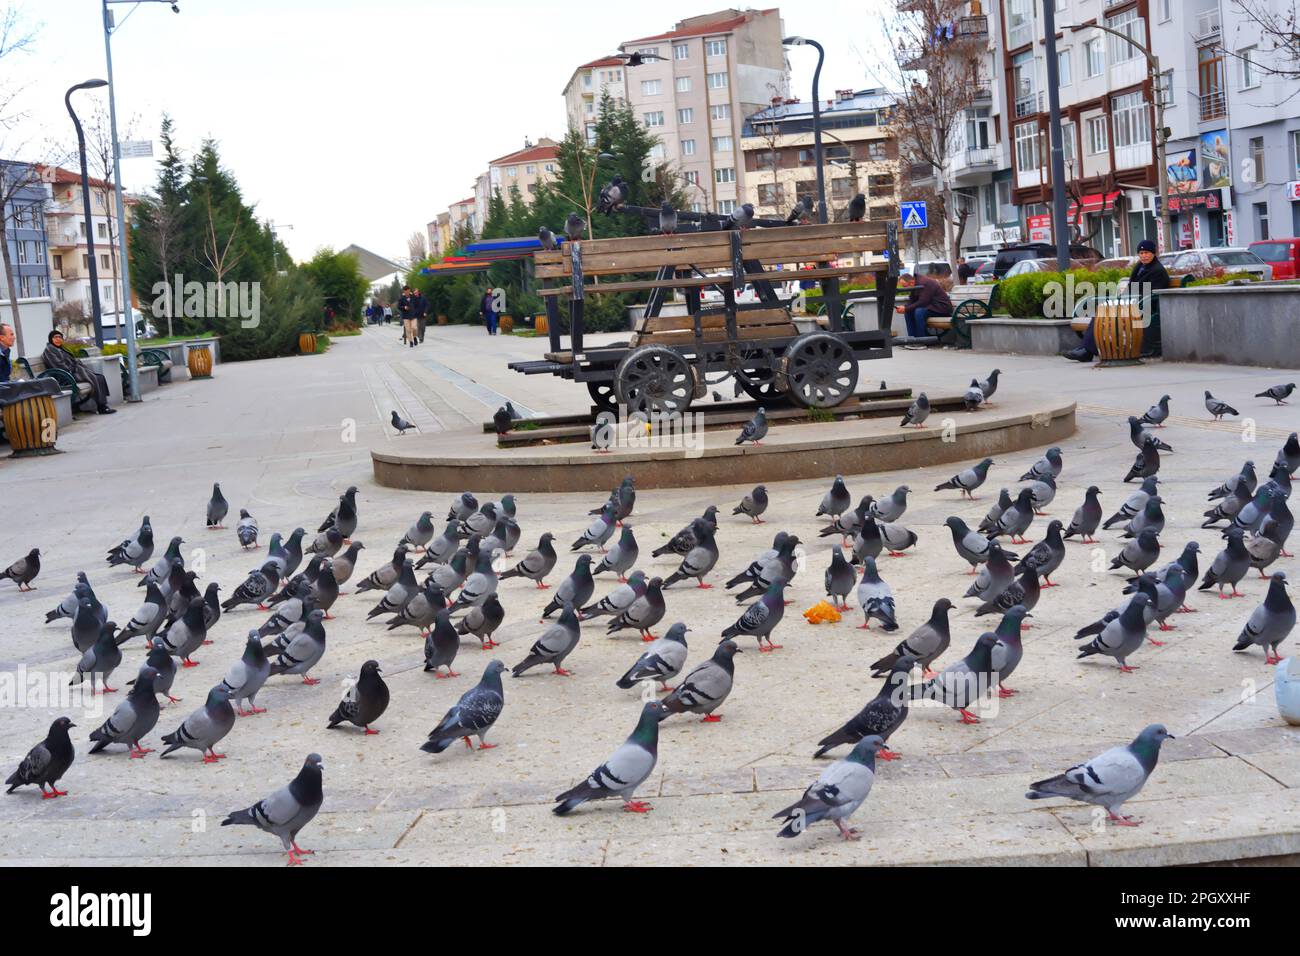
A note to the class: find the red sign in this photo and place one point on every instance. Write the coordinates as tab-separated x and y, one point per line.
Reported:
1040	228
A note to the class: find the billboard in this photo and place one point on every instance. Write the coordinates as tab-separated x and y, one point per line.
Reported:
1182	173
1216	161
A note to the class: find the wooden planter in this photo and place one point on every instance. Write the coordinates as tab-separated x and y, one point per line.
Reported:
442	320
540	323
507	324
199	361
1119	331
32	426
307	343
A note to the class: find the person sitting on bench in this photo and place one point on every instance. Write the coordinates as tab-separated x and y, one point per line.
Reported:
7	338
1148	275
55	356
927	299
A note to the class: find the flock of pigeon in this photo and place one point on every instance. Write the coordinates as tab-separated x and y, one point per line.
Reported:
460	596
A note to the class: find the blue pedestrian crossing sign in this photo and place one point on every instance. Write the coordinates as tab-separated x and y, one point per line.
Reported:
914	215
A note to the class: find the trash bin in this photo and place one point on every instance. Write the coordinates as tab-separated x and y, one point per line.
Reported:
31	422
307	343
199	361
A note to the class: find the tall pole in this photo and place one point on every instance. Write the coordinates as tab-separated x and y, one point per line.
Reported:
1059	229
96	314
132	364
817	133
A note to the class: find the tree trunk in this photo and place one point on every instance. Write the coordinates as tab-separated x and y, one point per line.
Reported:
949	240
9	283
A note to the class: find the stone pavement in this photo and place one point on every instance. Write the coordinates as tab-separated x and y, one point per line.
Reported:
285	437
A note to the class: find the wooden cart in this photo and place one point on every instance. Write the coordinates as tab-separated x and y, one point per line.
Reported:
667	361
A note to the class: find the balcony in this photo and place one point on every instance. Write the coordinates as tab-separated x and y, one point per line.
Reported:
919	173
973	28
1029	104
1214	105
980	157
1208	26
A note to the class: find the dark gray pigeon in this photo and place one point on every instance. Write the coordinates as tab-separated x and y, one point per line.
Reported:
968	480
753	504
684	540
246	529
1279	393
400	423
1151	517
875	598
836	794
441	646
133	719
643	613
917	412
247	675
1271	622
538	563
963	683
754	430
328	543
1157	413
1246	477
1147	462
836	501
973	546
555	644
622	554
1217	408
386	576
990	521
1139	435
344	515
1046	556
839	579
471	716
661	661
23	571
47	762
304	651
625	770
205	728
704	689
285	812
1110	779
187	634
881	716
483	621
762	617
85	626
399	593
162	568
1015	521
1050	464
364	702
135	551
700	560
256	588
100	658
1133	504
923	646
1139	554
1122	635
218	508
576	589
165	665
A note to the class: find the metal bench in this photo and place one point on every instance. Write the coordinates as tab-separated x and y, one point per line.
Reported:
80	392
162	360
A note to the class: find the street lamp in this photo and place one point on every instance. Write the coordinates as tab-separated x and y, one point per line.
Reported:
817	120
1162	158
95	315
132	366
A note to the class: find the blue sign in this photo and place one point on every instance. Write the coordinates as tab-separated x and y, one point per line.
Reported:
914	215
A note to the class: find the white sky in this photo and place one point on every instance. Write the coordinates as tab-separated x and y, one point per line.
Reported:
360	121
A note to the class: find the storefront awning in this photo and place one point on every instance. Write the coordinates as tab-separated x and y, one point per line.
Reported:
1096	202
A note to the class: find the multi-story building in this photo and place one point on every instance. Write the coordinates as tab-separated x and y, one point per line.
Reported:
714	71
25	225
525	168
440	234
585	91
858	148
69	247
463	215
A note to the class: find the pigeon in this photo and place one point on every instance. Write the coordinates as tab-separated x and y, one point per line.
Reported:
625	770
1264	549
1024	592
304	651
1139	435
68	606
612	195
133	719
917	412
623	498
1289	454
480	522
782	562
892	507
483	621
1122	635
1280	477
1278	524
742	218
256	588
1157	413
1147	462
472	715
47	762
364	702
853	523
1229	567
839	579
1187	561
100	658
989	385
599	531
1217	408
1252	514
162	568
205	728
1041	493
1008	651
800	211
973	546
837	793
289	611
990	520
1139	554
180	590
462	507
478	586
994	578
1245	478
1046	556
923	646
327	543
399	423
1271	622
218	508
643	613
1166	596
135	551
857	208
165	665
875	598
343	565
962	683
754	430
1015	521
974	397
667	218
1133	504
23	571
86	626
762	617
1110	779
836	501
576	589
187	634
573	226
1151	517
555	644
145	621
247	675
699	561
501	421
246	530
344	515
622	554
881	716
661	661
753	504
968	480
684	540
292	553
537	564
401	591
452	575
1049	465
618	600
441	645
440	549
704	689
285	812
546	238
422	609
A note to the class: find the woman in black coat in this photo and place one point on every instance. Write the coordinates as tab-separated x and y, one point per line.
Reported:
55	356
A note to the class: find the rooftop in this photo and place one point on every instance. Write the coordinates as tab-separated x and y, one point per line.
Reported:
708	25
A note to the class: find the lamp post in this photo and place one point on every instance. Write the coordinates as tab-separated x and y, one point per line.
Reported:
95	313
1057	138
1162	158
817	120
132	364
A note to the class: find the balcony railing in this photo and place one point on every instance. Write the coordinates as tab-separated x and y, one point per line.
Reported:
974	28
1208	25
1029	104
980	156
1214	105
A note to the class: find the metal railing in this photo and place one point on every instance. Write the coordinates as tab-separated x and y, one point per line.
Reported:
1208	24
1029	104
1214	105
980	156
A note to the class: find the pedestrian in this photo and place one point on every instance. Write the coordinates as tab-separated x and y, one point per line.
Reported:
927	299
406	309
421	310
964	270
488	308
55	356
388	314
6	347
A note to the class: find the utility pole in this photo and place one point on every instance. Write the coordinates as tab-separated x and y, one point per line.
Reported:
1059	229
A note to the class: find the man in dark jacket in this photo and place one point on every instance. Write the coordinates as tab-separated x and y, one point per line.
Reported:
55	356
6	347
1148	276
927	299
420	307
406	310
489	309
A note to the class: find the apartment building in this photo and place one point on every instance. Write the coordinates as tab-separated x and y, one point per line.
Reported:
714	71
525	169
585	91
69	248
859	153
439	234
25	227
464	215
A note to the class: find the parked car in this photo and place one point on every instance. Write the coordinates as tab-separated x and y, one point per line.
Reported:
1208	263
1282	254
934	268
1025	266
1122	262
985	272
1009	256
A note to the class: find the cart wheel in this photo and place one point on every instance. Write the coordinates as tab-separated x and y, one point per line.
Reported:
760	385
602	394
654	378
821	370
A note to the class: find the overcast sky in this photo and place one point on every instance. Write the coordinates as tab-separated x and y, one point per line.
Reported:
360	121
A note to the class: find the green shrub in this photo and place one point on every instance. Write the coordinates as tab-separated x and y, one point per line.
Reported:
1225	279
1053	294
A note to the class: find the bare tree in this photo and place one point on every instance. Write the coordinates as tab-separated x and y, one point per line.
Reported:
16	178
417	247
216	252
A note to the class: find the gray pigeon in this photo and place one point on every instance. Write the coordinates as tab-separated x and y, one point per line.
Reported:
344	565
917	412
1252	514
1023	592
1008	652
973	546
133	719
923	646
1046	556
1087	517
1289	454
161	568
344	515
762	617
421	611
1229	567
85	626
754	430
420	533
836	501
1157	413
1264	549
618	600
881	716
599	531
621	556
1217	408
1271	622
327	543
555	644
1139	554
471	716
576	589
1110	779
989	385
699	561
994	577
1246	477
218	508
962	683
401	591
704	689
205	728
100	658
246	530
364	702
247	675
483	621
285	812
479	586
661	661
1122	635
968	480
1015	521
1050	464
643	613
753	504
538	563
839	579
852	524
68	606
625	770
892	507
1147	462
1041	493
990	521
304	651
256	588
187	634
875	598
400	423
974	396
684	540
1151	517
1139	435
1279	393
837	793
462	507
165	665
135	551
47	762
23	571
441	646
1133	504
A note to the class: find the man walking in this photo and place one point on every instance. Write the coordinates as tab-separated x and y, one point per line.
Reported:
421	310
406	309
488	308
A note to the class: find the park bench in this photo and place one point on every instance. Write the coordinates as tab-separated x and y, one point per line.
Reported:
78	392
160	359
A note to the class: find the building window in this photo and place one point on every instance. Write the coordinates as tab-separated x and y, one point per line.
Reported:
1256	153
591	133
22	251
1094	56
683	84
876	149
770	194
805	190
514	172
1028	153
766	159
58	262
1063	67
653	119
724	174
1068	147
722	144
651	50
807	157
880	182
681	51
688	147
1261	220
657	152
586	80
685	117
1133	27
692	176
1097	139
531	169
841	188
717	81
1295	153
651	87
1131	120
103	262
1249	68
726	206
1166	10
721	111
58	293
716	48
1214	104
1020	22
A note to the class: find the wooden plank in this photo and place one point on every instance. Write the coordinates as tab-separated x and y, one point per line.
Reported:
715	320
793	251
641	285
743	333
812	250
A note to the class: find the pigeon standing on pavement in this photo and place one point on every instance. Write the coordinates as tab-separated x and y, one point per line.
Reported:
994	578
1133	504
146	620
643	613
1218	408
661	661
218	508
247	675
135	551
836	501
133	719
754	430
699	561
762	617
304	651
1271	622
1122	635
399	593
1147	462
837	793
483	621
1050	464
1229	567
1245	478
47	762
1289	454
963	683
753	504
554	645
1157	413
1151	517
990	520
1042	491
420	533
68	606
441	645
205	728
399	423
684	540
974	397
989	385
86	626
599	531
618	600
893	506
622	554
100	658
972	546
479	586
576	589
1046	556
917	412
968	480
473	715
246	529
187	634
704	689
364	702
923	646
881	716
1139	554
876	598
839	579
625	770
23	571
1015	521
1110	779
285	812
537	564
